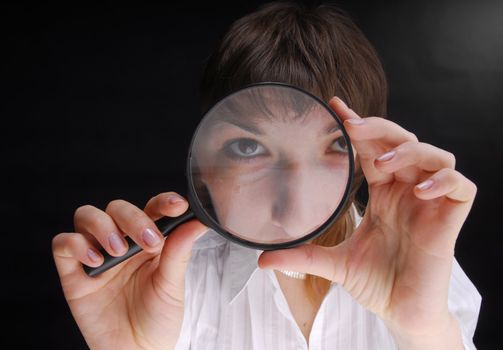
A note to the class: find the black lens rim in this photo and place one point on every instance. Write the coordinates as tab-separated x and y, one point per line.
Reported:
209	221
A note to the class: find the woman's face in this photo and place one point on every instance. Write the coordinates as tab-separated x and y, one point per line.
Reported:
273	180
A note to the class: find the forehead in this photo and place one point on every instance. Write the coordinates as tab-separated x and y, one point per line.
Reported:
269	105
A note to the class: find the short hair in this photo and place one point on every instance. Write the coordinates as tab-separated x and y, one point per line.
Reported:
315	47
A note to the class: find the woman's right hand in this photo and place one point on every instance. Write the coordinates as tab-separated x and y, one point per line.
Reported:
138	304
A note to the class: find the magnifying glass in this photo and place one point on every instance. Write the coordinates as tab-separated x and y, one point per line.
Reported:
270	166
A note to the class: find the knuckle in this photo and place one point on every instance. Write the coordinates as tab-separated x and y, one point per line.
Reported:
152	202
406	149
98	225
81	211
91	220
57	240
412	136
62	244
134	220
114	205
451	159
473	187
450	174
137	218
408	146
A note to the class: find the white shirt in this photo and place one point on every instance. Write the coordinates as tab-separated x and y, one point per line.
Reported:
231	304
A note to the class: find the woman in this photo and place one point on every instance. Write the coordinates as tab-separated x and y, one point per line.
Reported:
386	280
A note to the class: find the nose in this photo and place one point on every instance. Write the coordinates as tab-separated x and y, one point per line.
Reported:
301	204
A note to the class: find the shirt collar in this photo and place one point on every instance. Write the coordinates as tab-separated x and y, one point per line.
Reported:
242	265
243	262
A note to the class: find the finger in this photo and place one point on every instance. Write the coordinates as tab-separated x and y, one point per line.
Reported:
370	128
408	161
166	204
70	250
91	220
371	137
135	223
326	262
374	131
342	110
449	183
170	277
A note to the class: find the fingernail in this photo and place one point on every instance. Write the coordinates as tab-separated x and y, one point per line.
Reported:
93	255
173	199
356	121
423	186
150	237
386	156
116	243
341	101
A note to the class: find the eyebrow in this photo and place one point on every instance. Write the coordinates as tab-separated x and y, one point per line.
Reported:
331	128
251	126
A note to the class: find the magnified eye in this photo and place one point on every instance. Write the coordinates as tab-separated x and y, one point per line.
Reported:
339	145
244	148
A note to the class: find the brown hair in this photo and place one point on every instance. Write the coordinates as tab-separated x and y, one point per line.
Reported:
315	47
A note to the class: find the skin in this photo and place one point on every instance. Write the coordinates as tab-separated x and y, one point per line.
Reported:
276	183
138	304
396	264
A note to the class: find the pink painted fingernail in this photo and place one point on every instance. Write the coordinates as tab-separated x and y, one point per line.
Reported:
356	121
150	237
93	255
425	185
341	101
116	243
386	156
173	199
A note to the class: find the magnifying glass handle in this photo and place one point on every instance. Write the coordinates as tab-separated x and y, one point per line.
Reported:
165	225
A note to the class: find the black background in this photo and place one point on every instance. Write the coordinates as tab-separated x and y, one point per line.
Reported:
99	103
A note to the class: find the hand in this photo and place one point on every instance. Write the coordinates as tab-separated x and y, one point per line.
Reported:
397	263
138	304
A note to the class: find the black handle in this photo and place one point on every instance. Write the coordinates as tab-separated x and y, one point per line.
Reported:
165	225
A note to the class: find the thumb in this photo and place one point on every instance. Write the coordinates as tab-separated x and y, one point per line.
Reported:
176	255
326	262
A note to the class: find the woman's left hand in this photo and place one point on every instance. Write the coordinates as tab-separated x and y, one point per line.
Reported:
397	263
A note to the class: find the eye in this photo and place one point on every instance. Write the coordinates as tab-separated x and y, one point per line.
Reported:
244	148
339	145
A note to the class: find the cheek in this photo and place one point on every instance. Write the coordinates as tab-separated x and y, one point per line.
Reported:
219	183
240	204
335	185
220	194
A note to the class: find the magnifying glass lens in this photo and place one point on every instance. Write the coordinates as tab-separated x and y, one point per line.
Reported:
270	164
